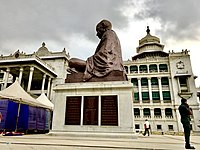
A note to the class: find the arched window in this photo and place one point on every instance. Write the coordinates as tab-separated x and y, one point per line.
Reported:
133	69
153	68
146	112
163	68
157	112
143	69
136	111
168	112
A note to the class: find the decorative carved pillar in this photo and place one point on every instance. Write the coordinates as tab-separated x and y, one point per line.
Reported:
6	77
160	89
30	78
48	88
43	83
150	90
140	90
20	75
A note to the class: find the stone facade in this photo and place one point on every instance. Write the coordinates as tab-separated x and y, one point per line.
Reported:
160	79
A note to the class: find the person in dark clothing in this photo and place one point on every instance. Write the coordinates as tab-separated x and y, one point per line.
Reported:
185	112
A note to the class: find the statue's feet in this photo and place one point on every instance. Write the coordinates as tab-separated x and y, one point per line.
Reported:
72	70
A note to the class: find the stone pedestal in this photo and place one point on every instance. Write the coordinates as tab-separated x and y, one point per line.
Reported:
94	108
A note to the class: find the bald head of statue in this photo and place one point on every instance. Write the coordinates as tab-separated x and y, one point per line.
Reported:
102	27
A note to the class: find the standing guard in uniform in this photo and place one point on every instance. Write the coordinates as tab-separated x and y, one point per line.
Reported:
185	112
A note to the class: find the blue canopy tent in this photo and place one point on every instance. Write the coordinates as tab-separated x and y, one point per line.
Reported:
19	96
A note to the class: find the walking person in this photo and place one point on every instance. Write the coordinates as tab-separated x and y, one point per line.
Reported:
185	112
146	127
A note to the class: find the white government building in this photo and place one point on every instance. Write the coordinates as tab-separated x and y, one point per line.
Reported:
159	80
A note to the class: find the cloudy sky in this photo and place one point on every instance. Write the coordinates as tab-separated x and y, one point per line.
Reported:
70	24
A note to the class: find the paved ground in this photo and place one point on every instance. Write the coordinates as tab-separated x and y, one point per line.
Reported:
47	142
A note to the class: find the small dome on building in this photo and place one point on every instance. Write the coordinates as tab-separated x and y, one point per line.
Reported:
149	38
43	50
149	43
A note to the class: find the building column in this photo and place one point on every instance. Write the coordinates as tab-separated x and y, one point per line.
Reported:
160	89
128	70
6	77
20	75
152	112
140	90
138	67
43	82
163	113
170	89
150	90
48	88
30	78
141	113
148	69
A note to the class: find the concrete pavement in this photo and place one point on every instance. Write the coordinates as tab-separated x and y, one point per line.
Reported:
47	142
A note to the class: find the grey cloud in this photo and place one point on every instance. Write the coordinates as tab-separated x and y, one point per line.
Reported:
31	22
179	19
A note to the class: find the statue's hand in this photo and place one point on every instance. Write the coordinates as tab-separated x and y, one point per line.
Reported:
72	70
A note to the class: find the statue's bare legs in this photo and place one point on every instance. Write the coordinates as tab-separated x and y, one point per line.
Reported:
76	65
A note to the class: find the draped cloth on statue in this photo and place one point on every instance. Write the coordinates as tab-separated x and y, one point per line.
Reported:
107	57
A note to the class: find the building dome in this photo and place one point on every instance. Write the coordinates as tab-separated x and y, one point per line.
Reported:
43	50
149	38
149	43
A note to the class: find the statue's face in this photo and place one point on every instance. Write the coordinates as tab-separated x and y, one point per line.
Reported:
100	30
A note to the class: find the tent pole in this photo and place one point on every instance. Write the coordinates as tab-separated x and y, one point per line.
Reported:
18	112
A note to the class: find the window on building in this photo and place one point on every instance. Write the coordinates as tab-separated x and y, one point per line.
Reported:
136	97
153	68
164	81
155	95
146	112
157	112
145	96
166	96
183	84
126	68
136	111
170	127
159	127
154	81
134	81
168	112
163	68
134	69
143	69
137	126
144	81
1	76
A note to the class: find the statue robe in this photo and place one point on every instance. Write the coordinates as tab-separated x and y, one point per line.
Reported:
107	57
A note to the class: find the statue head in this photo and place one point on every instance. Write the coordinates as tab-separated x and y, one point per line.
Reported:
102	27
